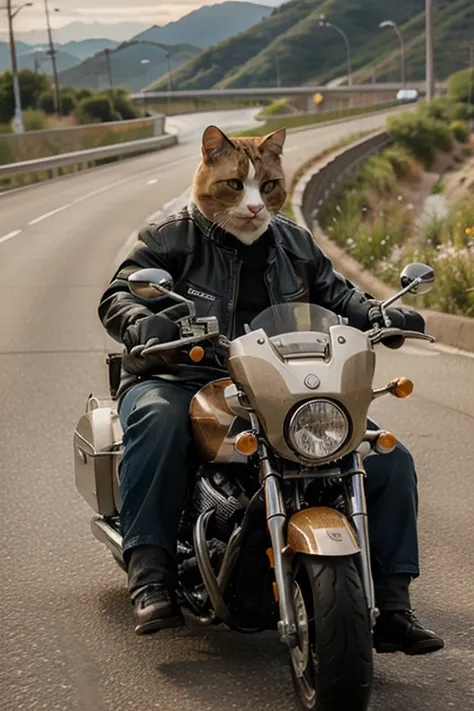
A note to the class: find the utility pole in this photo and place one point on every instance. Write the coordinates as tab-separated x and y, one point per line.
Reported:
11	14
19	127
109	67
52	52
168	57
471	71
430	86
277	67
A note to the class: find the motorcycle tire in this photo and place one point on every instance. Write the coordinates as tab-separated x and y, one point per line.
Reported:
332	667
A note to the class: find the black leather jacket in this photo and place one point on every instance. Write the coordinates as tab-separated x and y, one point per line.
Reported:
205	269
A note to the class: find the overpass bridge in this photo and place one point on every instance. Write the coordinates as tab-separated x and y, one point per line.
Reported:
334	96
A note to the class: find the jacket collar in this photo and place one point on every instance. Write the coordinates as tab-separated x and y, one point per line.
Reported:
215	233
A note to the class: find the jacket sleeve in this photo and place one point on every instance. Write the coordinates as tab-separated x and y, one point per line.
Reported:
332	291
119	308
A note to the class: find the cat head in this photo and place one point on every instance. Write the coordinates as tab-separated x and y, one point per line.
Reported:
240	183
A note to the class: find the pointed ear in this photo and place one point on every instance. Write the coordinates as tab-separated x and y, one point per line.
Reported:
215	143
274	142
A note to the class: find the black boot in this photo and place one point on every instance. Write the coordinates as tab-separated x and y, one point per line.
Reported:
397	629
400	631
152	580
155	608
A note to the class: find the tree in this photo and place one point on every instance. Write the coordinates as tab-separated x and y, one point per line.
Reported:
32	85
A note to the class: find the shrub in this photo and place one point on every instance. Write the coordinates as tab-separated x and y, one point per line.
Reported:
280	106
459	85
46	102
379	173
421	135
123	106
82	94
460	131
34	120
404	165
68	102
95	109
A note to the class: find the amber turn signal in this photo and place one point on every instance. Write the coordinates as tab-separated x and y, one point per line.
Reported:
385	443
402	387
197	354
246	443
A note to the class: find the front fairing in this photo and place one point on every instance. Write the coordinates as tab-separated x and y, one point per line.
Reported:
341	369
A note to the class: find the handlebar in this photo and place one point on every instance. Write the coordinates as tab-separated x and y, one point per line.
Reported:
377	335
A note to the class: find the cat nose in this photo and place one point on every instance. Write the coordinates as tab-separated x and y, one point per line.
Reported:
255	209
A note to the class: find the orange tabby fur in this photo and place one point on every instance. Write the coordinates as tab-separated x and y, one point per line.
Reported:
252	161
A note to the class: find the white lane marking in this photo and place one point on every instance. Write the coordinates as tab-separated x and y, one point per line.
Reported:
93	193
49	214
152	181
10	235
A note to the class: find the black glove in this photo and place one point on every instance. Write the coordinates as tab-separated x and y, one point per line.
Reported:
364	314
150	331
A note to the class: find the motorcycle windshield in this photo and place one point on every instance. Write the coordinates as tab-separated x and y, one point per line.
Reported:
293	317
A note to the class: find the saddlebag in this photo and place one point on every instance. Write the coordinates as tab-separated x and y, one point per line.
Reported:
97	452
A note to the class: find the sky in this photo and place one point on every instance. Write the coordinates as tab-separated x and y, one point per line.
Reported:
149	12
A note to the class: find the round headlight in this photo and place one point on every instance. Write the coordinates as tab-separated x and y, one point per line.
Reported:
318	429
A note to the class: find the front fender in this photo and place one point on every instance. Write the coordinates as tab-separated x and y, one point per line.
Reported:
321	531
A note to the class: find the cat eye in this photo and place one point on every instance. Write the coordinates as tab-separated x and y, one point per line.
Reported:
235	184
268	186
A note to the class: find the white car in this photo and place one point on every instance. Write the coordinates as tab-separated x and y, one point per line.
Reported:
407	95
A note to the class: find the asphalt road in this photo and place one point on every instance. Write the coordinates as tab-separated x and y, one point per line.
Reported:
67	640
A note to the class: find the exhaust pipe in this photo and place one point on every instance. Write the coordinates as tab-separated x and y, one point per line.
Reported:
107	535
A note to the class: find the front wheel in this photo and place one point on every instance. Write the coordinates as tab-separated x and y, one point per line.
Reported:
331	666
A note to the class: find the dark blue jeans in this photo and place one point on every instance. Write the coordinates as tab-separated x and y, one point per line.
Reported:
159	458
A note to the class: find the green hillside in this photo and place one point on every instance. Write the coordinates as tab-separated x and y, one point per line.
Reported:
306	52
127	67
209	24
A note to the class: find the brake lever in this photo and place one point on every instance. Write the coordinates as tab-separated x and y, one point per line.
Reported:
176	345
379	334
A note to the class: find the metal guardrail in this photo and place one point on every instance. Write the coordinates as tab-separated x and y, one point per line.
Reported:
321	184
51	164
156	120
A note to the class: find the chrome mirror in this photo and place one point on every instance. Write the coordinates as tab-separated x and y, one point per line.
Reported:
149	283
421	274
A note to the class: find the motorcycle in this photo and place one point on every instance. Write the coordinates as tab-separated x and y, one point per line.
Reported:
274	534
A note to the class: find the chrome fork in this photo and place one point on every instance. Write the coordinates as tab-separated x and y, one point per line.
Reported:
276	521
358	516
